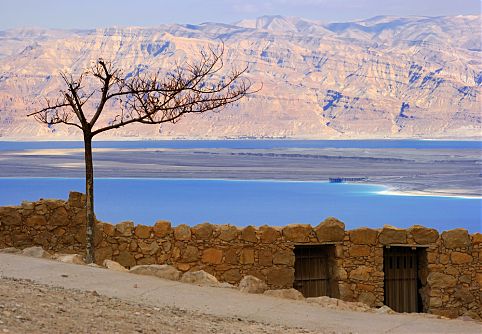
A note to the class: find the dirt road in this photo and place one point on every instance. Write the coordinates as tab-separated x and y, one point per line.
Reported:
60	298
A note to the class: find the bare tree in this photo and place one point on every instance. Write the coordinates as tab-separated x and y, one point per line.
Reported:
151	98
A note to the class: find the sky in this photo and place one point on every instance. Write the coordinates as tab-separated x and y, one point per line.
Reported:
67	14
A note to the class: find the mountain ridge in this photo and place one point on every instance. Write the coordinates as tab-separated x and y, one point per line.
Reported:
383	77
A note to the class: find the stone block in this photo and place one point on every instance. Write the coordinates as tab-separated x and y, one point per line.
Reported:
249	234
280	277
252	284
463	295
297	232
456	238
126	259
232	275
162	271
9	216
182	232
124	229
142	231
112	265
265	257
108	229
190	254
392	235
148	248
231	256
359	250
441	280
423	235
460	258
477	238
162	228
330	230
59	217
36	220
268	234
77	200
363	236
284	257
203	231
367	298
228	232
346	292
212	256
247	256
200	278
285	293
361	273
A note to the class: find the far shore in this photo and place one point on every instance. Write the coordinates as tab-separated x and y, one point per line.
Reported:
406	172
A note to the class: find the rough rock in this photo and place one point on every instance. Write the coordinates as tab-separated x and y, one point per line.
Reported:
112	265
268	234
203	231
361	273
10	250
162	228
456	238
423	235
338	304
280	277
76	200
182	232
460	258
330	230
69	258
360	250
363	236
212	256
159	270
200	278
285	293
142	231
247	256
441	280
384	310
297	232
124	229
367	298
251	284
249	234
286	257
10	216
228	232
36	251
126	259
392	235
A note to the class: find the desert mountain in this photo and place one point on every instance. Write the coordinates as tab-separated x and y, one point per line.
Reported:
377	78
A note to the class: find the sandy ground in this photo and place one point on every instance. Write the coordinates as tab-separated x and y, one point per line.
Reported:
29	307
417	172
43	296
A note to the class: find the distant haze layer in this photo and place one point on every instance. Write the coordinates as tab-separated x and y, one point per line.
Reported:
384	77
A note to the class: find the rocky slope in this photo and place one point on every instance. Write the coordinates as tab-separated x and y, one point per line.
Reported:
377	78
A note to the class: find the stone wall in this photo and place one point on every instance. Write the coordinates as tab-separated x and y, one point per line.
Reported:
449	264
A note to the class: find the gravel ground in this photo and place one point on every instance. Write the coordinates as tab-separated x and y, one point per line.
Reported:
28	307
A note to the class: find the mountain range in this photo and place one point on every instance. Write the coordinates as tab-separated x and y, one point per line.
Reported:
384	77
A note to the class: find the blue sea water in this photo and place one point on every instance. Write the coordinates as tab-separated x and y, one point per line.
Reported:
249	144
241	203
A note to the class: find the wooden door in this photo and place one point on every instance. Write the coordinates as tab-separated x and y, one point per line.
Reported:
312	270
401	279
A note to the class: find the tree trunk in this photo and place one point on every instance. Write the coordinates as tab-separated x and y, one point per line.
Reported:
89	192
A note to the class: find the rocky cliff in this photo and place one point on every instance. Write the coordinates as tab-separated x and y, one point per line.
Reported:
381	77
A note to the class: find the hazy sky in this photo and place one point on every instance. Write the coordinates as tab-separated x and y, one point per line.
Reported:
101	13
